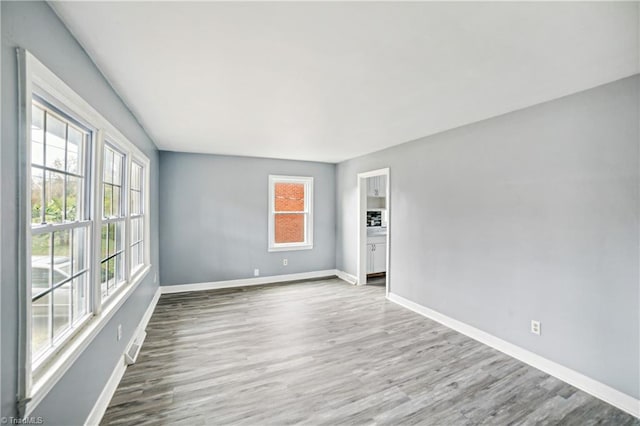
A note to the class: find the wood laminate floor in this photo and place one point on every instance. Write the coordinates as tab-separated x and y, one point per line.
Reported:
326	353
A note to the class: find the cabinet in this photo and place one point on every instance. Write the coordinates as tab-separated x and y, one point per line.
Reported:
377	186
376	257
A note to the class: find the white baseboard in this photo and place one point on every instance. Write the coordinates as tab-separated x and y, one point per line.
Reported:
96	414
100	407
144	321
604	392
245	282
351	279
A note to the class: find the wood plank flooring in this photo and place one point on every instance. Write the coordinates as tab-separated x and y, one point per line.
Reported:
325	353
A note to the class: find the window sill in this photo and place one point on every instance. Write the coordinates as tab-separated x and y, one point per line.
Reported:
60	364
292	248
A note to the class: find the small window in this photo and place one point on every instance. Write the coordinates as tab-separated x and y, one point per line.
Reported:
290	213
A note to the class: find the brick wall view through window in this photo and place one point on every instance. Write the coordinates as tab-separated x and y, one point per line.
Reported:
289	226
290	221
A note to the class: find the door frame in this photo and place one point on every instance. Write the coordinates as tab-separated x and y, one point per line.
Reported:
362	226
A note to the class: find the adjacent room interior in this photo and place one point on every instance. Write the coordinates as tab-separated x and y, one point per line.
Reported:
320	213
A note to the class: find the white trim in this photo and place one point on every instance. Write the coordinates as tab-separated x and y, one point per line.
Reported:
100	407
351	279
144	321
361	249
246	282
307	181
598	389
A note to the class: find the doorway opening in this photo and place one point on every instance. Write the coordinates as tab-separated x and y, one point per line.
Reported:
374	230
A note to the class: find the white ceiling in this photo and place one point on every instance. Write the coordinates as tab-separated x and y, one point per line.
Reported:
331	81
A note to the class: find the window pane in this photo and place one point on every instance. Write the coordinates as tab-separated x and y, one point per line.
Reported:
75	139
40	332
61	309
136	229
37	135
289	197
136	171
55	142
104	269
108	165
37	184
79	250
40	263
107	200
119	237
61	255
104	251
112	239
108	274
135	203
134	256
289	228
54	197
116	202
117	168
119	268
141	253
80	299
74	198
111	273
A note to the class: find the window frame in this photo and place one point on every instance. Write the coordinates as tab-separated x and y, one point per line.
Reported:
35	381
307	244
85	222
121	218
132	270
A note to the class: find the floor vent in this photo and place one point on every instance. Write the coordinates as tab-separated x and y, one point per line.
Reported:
131	355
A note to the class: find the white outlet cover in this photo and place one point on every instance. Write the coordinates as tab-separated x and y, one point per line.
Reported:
535	327
285	262
256	272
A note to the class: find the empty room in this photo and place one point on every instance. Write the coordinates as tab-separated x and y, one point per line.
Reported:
319	213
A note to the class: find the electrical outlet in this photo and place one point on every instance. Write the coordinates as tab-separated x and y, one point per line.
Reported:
256	272
155	277
285	262
535	327
119	332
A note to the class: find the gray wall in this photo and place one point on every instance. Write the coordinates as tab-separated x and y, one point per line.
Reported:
213	218
34	26
530	215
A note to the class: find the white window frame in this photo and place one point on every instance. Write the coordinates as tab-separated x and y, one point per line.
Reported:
133	270
36	78
40	363
307	244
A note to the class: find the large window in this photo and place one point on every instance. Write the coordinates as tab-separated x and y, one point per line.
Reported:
290	213
84	246
59	227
